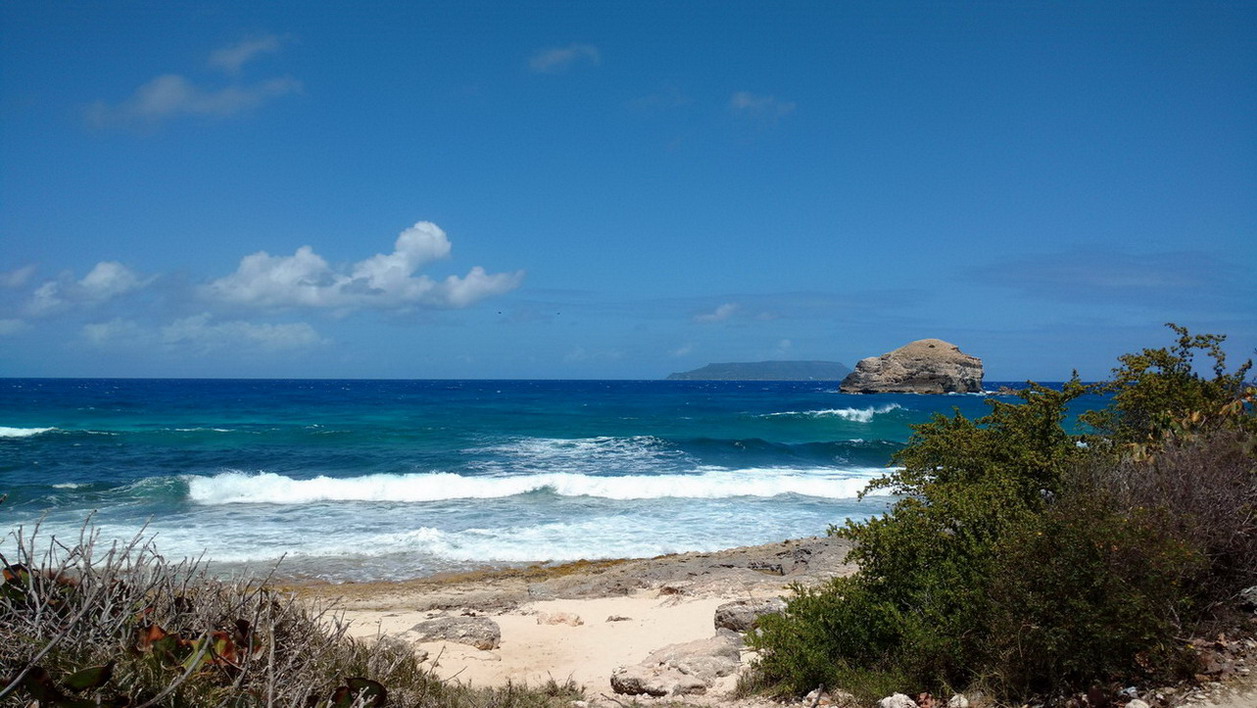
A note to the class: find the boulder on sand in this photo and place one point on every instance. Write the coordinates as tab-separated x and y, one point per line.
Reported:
681	669
743	615
479	632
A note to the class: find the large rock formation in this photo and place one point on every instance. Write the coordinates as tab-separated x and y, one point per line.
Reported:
923	366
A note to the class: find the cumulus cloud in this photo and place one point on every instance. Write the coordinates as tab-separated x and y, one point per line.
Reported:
106	281
172	96
17	277
760	106
720	314
231	58
383	281
559	59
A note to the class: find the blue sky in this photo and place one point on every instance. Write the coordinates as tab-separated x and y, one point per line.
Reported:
618	189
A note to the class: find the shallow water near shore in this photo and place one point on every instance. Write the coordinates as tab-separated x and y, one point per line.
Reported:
377	480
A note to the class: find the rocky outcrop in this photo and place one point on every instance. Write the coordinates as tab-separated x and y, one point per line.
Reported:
743	615
681	669
923	366
479	632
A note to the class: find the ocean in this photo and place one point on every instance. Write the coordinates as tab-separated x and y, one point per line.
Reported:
361	480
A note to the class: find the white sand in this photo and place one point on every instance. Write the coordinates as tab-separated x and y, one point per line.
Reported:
534	652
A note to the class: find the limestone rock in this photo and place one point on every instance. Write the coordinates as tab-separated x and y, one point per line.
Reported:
479	632
743	615
680	669
897	700
958	701
923	366
567	618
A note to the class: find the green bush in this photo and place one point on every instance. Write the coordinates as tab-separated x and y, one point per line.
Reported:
1030	558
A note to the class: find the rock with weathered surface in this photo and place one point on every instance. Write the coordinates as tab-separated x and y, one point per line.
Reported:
1248	598
571	620
923	366
479	632
897	700
680	669
743	615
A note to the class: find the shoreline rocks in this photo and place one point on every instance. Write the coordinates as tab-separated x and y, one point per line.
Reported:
923	366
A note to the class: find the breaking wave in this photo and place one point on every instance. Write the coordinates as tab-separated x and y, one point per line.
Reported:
271	488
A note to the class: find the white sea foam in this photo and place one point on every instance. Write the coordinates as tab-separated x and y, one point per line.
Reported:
69	485
855	415
709	483
22	432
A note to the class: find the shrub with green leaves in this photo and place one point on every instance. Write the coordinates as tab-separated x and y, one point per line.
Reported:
1031	557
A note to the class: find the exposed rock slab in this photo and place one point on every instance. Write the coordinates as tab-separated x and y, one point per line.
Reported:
479	632
743	615
923	366
680	669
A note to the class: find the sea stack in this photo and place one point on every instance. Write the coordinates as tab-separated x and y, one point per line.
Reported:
923	366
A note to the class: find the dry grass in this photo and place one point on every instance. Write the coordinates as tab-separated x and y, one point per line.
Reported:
85	623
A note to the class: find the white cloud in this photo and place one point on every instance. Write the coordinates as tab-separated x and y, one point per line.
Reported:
231	59
172	96
720	314
107	280
760	106
17	277
11	326
682	350
201	332
559	59
118	329
783	347
383	281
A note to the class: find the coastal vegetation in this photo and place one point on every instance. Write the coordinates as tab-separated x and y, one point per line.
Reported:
91	624
1037	554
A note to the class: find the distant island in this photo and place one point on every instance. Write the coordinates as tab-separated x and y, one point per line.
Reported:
766	371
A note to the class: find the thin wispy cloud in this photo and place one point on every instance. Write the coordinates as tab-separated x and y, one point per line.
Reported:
1150	280
760	106
17	277
10	326
560	59
170	96
203	334
383	281
720	314
232	59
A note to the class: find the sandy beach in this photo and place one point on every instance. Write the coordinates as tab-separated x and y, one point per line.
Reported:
580	621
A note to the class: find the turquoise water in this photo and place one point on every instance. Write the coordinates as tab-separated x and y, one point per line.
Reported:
395	479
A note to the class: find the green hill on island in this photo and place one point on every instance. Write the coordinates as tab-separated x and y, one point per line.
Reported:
766	371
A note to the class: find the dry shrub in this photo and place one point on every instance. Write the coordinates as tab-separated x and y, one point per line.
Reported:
93	624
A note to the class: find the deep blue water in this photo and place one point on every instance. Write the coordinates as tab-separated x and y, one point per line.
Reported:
391	479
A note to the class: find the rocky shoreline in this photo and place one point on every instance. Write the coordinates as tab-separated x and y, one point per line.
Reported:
665	630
